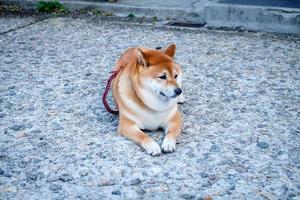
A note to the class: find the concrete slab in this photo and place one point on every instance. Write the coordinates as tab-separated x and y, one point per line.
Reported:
240	138
268	19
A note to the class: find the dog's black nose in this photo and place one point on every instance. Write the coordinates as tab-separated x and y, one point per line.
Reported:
178	91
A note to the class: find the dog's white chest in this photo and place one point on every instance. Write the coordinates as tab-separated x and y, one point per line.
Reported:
147	119
151	121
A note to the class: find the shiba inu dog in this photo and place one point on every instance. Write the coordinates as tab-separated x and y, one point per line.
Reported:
146	91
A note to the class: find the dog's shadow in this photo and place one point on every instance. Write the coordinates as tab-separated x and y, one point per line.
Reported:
157	135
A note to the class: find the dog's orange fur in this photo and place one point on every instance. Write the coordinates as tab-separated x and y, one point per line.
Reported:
138	112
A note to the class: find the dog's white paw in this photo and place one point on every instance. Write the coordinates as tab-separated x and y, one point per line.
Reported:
169	144
181	99
152	148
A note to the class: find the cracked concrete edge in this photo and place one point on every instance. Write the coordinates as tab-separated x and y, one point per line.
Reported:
35	21
255	18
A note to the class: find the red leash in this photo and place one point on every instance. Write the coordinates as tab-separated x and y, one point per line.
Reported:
107	88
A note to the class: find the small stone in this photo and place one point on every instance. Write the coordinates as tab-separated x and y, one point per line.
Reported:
52	112
261	125
212	179
88	74
140	191
237	150
7	175
69	110
28	125
2	115
294	155
66	177
17	127
21	135
106	182
187	196
203	175
135	182
214	148
83	173
42	144
232	187
11	189
156	170
22	184
36	160
1	171
54	187
292	195
35	131
116	192
51	178
164	187
12	93
56	127
32	175
69	90
262	145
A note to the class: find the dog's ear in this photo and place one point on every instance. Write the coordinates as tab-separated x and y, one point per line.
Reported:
170	51
142	58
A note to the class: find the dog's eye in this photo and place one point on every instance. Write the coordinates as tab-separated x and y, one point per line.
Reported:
164	77
175	76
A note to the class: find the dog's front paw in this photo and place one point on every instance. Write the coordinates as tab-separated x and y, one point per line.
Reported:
168	145
152	148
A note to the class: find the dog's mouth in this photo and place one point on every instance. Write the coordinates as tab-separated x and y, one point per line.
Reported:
164	95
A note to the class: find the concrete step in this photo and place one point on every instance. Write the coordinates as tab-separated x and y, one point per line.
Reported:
271	16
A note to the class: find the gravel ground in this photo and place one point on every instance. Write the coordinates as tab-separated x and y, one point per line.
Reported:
241	116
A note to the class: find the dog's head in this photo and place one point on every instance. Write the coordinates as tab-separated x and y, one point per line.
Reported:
159	75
